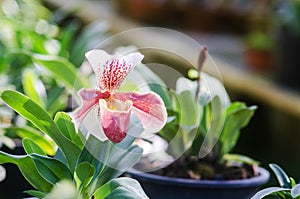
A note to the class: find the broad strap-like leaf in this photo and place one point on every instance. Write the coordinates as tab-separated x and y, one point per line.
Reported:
84	173
38	137
66	126
110	160
265	192
35	193
282	178
214	119
41	119
189	110
28	169
238	116
121	188
31	147
51	169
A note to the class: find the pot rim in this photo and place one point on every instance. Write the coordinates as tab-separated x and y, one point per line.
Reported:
261	179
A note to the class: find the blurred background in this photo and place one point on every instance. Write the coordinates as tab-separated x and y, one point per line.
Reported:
255	42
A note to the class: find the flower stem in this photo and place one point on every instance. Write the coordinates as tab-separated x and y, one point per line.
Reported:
202	58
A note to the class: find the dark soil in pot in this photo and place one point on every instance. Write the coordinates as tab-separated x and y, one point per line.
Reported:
191	167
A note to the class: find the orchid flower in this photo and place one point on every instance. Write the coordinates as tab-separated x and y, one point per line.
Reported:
111	108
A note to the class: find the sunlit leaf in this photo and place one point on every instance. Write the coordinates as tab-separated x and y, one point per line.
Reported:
40	118
31	147
39	138
34	88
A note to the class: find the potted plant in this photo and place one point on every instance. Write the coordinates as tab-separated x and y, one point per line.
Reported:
194	158
258	53
288	186
94	146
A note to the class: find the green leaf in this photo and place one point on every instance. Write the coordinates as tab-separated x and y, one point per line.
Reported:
31	147
109	160
34	88
182	141
51	169
66	126
67	37
55	101
268	191
38	137
190	111
90	35
40	118
282	177
28	169
212	125
35	193
84	173
238	116
62	69
170	130
122	188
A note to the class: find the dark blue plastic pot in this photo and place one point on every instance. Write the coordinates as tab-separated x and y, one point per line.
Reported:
161	187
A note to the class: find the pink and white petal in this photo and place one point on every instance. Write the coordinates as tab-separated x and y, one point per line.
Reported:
115	123
98	60
89	98
120	67
91	124
149	108
112	70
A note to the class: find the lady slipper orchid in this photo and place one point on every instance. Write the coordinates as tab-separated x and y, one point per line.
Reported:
113	108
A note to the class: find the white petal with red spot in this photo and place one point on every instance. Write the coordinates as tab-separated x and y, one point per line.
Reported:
112	70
